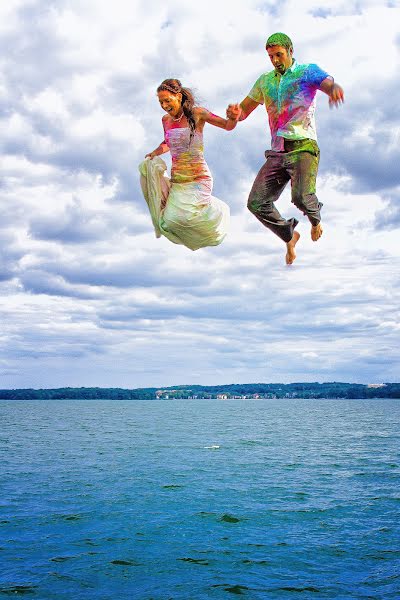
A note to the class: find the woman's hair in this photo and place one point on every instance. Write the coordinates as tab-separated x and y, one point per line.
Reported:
188	101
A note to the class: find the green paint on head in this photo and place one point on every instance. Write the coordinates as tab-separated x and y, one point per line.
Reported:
279	39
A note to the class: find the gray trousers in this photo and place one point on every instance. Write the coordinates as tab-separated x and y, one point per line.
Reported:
299	164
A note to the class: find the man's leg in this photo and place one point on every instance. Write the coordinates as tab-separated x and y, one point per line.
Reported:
303	168
290	248
267	187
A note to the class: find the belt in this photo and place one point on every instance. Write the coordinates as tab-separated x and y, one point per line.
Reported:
291	145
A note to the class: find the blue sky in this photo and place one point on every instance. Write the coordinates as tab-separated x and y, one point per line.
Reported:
89	296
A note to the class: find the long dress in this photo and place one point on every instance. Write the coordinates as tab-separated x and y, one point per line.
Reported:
183	208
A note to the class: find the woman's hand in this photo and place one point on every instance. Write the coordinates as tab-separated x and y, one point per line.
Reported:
233	112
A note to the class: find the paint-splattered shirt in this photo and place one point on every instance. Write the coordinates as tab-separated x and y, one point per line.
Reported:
290	102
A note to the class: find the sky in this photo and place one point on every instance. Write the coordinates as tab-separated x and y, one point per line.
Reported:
90	297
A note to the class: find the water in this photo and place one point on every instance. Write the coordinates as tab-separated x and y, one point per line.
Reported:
200	499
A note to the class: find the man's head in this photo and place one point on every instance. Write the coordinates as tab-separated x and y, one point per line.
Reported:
280	51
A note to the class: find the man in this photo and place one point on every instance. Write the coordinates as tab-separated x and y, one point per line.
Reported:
288	93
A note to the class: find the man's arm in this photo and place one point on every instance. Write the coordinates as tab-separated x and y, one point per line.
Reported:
246	107
333	90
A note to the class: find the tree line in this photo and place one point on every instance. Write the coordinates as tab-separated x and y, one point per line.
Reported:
263	390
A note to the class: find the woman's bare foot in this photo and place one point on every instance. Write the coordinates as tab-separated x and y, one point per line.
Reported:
291	252
316	232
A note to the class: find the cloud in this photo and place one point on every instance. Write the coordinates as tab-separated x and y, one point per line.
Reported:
389	216
91	297
40	282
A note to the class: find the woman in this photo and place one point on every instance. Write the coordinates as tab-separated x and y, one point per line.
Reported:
183	209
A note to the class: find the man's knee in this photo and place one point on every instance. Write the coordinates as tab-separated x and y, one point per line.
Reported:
258	206
253	205
299	200
309	205
304	201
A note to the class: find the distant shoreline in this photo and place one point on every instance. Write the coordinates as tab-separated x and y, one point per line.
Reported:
247	391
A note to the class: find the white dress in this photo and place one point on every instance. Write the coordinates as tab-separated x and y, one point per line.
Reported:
183	208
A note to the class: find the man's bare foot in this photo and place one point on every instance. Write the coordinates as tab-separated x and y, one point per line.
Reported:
316	232
291	252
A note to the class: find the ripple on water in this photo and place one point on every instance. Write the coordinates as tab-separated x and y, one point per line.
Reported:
248	561
227	518
224	518
172	486
232	589
67	517
16	590
195	561
289	588
125	562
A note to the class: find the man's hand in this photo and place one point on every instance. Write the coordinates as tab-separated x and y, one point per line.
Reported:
233	112
336	96
333	90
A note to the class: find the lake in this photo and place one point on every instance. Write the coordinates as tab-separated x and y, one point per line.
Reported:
200	499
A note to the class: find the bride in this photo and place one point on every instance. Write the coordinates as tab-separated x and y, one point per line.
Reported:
182	208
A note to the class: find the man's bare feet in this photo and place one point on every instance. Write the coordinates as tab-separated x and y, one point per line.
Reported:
291	252
316	232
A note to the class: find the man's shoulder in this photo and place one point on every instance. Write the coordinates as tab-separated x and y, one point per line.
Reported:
303	66
308	68
266	77
299	65
268	74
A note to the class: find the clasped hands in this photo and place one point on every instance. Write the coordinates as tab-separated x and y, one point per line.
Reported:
233	112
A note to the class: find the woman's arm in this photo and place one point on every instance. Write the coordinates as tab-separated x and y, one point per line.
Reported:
204	115
161	149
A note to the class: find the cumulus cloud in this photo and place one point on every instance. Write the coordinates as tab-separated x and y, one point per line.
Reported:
91	297
389	216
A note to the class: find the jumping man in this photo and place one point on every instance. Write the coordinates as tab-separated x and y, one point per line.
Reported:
288	93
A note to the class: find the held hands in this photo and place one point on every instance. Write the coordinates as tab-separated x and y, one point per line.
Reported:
233	112
336	96
151	155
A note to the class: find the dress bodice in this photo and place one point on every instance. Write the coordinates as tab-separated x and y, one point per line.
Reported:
188	162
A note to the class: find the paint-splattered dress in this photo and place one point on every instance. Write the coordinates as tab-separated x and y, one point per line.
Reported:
191	216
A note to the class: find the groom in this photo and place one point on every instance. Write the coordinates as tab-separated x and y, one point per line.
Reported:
288	93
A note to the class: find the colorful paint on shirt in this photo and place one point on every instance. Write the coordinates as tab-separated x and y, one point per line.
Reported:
290	102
